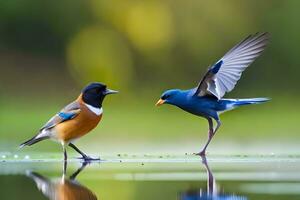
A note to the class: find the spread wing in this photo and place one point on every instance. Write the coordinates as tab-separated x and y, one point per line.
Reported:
223	76
67	113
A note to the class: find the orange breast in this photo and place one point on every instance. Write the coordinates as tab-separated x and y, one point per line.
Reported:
73	191
83	123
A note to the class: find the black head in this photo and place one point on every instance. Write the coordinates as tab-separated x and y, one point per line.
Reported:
94	93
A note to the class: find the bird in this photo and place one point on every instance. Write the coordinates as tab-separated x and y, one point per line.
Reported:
63	188
75	120
206	99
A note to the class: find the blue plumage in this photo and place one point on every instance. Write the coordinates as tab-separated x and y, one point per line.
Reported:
66	116
205	106
216	67
206	99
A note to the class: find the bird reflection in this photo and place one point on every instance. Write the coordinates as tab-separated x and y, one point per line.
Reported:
212	191
63	189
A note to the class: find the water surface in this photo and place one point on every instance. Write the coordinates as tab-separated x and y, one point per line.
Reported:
136	177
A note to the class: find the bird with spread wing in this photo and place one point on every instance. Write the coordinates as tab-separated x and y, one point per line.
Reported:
206	100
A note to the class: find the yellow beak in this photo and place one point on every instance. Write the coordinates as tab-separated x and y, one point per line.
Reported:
160	102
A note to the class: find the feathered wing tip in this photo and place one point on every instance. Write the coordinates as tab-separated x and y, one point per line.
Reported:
32	141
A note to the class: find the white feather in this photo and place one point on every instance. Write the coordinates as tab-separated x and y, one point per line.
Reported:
96	111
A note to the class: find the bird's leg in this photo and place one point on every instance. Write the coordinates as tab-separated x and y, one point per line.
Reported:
78	150
218	126
210	136
65	160
210	178
211	133
84	156
74	175
65	154
65	168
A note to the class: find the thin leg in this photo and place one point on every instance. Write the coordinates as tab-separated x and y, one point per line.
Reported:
65	153
218	126
211	133
84	156
211	184
73	176
78	150
65	168
65	160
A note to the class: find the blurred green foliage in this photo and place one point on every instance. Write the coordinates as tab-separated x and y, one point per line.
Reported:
150	43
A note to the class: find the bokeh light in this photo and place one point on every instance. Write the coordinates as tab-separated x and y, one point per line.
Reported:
149	25
100	54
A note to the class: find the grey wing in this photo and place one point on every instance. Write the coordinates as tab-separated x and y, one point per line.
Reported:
67	113
43	184
223	76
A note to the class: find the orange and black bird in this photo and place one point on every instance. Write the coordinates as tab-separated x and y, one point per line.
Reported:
75	120
64	188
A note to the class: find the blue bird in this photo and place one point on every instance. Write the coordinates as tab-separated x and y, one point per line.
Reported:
206	99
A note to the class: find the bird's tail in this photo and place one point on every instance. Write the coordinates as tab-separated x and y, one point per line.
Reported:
229	104
35	139
241	102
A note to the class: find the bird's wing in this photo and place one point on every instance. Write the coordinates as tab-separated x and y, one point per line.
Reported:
223	76
67	113
43	184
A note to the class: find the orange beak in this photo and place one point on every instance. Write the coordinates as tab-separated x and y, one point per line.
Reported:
160	102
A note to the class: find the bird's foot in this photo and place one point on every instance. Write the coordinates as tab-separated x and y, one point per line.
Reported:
201	153
89	159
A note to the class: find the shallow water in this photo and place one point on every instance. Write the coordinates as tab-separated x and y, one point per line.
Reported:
136	177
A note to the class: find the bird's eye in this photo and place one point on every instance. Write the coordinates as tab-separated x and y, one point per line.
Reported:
165	96
94	90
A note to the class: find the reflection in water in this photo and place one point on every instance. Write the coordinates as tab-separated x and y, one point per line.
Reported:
63	189
212	190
